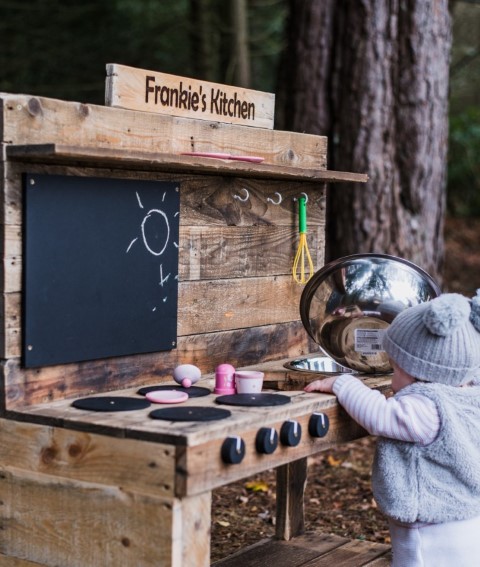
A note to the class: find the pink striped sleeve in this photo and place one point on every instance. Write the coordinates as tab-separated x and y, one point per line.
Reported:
413	418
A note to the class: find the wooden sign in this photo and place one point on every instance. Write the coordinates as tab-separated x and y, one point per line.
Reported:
139	89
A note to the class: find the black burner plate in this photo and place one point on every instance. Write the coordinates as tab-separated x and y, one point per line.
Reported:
111	403
253	400
185	413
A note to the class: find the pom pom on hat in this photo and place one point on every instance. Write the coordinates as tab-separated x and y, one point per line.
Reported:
446	313
439	340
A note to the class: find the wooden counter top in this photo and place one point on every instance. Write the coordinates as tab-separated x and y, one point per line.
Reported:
138	424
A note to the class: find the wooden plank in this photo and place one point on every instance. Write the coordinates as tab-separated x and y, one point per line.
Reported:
151	91
212	224
24	387
55	153
67	454
223	305
191	531
251	251
37	120
82	525
383	561
353	554
310	550
203	307
17	562
200	467
206	200
295	553
291	482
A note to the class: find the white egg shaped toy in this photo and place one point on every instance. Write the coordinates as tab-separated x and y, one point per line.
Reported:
186	374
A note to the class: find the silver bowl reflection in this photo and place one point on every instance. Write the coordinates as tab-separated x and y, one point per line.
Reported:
319	364
347	305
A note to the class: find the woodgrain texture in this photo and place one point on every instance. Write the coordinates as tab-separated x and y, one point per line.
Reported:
36	120
238	237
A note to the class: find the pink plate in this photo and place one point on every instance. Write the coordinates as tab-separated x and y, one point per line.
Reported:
166	397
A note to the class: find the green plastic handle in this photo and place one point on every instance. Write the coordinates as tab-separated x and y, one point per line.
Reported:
302	214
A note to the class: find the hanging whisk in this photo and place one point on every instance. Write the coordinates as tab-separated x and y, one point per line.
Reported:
302	257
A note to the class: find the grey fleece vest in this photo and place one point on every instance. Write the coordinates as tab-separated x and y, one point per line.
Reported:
439	482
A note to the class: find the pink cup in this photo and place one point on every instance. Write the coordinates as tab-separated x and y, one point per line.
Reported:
248	381
224	379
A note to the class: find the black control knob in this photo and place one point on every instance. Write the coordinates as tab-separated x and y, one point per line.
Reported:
290	433
318	425
233	450
266	441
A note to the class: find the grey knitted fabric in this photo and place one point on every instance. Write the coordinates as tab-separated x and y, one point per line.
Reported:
439	482
438	341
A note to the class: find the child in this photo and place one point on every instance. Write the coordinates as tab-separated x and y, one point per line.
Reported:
426	471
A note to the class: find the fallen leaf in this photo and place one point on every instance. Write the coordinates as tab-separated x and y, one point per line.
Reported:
223	523
257	486
333	462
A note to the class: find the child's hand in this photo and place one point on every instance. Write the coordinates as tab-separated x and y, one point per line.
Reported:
325	385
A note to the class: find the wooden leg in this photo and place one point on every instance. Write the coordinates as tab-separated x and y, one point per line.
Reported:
191	531
291	480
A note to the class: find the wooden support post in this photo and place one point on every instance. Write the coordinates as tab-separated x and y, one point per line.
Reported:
291	480
191	531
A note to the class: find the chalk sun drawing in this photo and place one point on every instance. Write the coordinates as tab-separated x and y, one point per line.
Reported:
155	235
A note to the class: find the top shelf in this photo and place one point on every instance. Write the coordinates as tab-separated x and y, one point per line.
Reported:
149	161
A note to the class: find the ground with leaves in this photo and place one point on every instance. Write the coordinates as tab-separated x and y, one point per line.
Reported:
338	497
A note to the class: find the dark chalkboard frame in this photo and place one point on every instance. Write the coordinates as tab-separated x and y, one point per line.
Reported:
100	267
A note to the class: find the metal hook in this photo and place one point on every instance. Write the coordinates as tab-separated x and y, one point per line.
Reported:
240	198
278	201
306	198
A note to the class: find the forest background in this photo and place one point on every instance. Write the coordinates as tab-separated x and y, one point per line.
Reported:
59	49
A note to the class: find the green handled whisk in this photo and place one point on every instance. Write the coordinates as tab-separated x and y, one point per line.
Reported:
302	257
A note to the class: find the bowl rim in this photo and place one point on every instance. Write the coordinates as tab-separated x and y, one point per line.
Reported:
327	269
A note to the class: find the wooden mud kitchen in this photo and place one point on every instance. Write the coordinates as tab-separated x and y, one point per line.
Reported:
128	252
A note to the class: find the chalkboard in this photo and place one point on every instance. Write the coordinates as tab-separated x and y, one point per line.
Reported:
100	268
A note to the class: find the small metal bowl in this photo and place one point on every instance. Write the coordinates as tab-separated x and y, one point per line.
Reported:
318	364
347	305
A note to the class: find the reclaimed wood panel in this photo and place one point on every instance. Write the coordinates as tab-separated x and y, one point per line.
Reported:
149	161
151	91
38	120
353	554
16	562
238	236
251	346
81	524
236	252
65	453
200	467
295	553
291	482
206	200
311	550
203	307
222	305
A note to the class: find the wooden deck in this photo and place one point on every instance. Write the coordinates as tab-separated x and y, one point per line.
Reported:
311	550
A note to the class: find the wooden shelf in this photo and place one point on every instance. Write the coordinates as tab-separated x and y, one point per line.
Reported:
149	161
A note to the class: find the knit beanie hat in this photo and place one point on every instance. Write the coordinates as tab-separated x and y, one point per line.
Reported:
439	340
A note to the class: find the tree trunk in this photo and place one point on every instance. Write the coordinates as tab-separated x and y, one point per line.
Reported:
374	78
240	50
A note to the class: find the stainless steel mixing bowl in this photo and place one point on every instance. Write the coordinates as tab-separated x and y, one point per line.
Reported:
318	364
348	304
